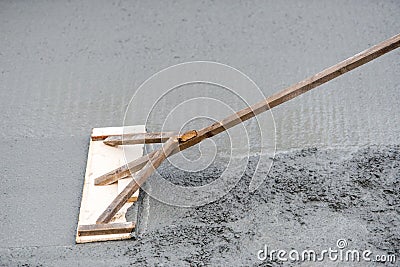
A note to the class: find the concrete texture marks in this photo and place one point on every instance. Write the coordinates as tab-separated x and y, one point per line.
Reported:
67	67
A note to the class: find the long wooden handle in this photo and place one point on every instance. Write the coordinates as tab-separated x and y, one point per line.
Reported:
302	87
272	101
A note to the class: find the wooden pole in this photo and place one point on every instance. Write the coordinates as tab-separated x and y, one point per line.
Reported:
271	102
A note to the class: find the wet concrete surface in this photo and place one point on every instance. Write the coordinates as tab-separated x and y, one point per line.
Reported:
67	67
310	199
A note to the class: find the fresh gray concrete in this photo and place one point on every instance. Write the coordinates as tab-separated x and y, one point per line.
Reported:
69	66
